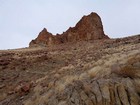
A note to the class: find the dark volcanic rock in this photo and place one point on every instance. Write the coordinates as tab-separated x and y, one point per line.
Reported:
88	28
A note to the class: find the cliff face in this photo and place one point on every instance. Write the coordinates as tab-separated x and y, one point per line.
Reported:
88	28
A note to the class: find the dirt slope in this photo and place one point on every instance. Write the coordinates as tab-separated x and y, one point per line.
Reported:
95	72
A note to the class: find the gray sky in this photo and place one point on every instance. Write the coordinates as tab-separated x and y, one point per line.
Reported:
22	20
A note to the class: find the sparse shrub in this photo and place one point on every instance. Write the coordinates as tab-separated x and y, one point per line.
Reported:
127	71
132	67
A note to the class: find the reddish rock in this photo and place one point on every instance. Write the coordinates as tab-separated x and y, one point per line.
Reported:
88	28
26	87
23	88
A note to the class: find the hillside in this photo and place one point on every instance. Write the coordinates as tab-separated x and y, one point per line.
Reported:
94	71
102	72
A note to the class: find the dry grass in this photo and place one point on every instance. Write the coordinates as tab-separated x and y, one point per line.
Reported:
94	71
84	76
2	96
137	84
41	79
69	67
60	85
57	75
38	98
70	79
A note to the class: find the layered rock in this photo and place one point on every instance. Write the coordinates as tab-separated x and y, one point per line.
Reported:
88	28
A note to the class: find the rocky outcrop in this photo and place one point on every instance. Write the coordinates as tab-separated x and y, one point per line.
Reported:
88	28
115	83
96	92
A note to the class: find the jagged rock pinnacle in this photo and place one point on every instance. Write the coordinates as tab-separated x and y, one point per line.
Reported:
88	28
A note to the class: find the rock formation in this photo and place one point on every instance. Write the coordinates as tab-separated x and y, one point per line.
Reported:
88	28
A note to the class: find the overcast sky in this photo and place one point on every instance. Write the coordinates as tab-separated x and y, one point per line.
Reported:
22	20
